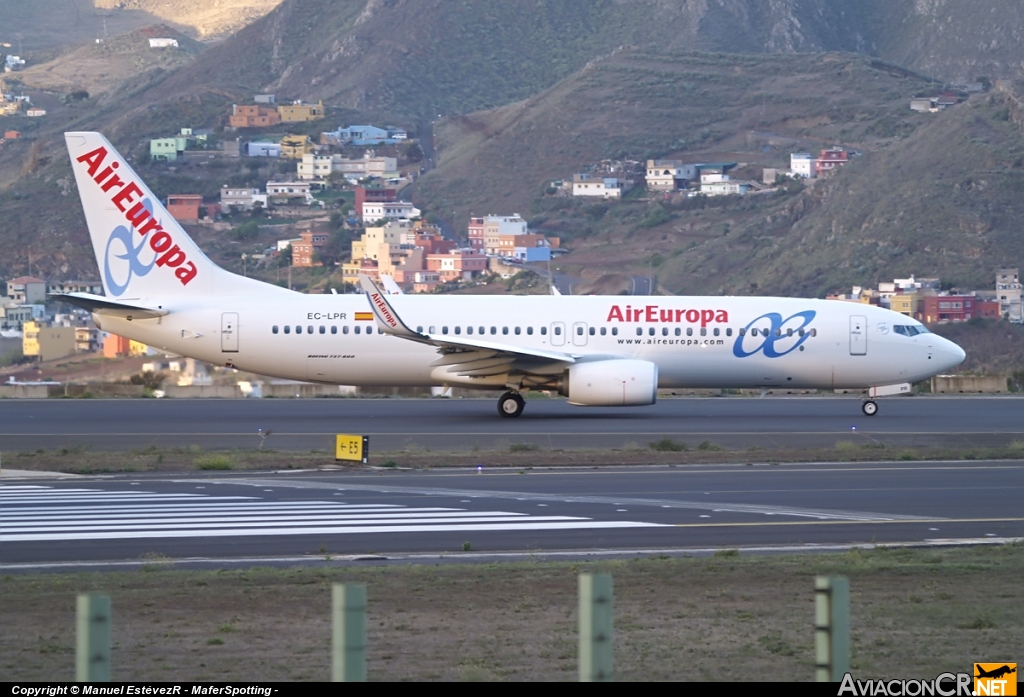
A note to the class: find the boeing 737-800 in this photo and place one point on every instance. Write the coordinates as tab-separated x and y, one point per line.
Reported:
160	289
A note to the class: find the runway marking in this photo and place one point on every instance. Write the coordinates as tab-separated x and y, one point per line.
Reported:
201	515
786	523
713	506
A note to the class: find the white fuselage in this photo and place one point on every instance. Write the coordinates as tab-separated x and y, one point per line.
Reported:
695	341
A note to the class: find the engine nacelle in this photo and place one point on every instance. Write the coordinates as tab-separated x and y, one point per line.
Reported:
613	383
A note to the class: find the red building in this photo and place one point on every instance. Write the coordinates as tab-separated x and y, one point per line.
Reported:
988	310
433	243
184	207
939	309
251	115
830	159
476	234
458	263
373	195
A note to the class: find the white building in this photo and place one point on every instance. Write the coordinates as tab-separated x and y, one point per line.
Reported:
290	191
599	187
241	198
724	187
392	210
669	175
1008	293
163	43
263	149
802	164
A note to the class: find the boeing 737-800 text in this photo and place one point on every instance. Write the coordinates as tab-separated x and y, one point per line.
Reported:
162	290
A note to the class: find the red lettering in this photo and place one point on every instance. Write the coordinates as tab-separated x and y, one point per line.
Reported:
173	257
722	316
706	316
94	159
137	215
614	314
123	197
112	182
666	315
679	315
160	241
185	273
651	310
151	224
637	314
692	316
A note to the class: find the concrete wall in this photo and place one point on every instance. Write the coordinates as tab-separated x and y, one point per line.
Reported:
23	392
968	383
199	391
103	390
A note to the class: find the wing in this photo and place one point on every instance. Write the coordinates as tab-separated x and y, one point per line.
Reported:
472	358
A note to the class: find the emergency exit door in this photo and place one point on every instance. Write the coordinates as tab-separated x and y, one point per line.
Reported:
229	332
858	335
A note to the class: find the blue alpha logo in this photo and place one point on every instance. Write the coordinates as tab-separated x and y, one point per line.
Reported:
122	259
772	335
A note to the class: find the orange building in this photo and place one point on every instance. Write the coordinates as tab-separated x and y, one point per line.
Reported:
115	346
252	116
304	248
184	207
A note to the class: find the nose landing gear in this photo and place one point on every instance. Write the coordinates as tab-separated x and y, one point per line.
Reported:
510	405
869	407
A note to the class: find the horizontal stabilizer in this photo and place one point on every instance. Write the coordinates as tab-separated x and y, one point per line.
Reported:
105	306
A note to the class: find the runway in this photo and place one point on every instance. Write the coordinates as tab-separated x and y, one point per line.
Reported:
318	517
461	424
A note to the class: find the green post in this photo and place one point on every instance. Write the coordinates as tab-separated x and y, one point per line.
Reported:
831	628
92	655
596	628
348	641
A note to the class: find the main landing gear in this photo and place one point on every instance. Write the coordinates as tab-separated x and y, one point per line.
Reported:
510	405
869	407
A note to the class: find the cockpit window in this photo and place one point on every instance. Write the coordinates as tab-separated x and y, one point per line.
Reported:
910	329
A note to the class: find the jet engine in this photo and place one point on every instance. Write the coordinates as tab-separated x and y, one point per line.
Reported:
612	383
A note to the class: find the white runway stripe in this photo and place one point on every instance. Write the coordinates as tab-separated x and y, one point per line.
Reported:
138	515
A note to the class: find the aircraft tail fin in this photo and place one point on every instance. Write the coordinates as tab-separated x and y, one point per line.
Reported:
141	250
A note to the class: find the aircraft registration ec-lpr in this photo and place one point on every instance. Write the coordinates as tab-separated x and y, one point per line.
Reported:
160	289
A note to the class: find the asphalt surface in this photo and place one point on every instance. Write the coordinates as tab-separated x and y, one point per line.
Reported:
460	424
317	517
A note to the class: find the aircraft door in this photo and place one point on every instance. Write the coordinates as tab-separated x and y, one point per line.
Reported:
558	333
579	333
858	335
229	332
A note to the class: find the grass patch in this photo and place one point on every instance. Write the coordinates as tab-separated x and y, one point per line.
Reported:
667	445
523	447
215	462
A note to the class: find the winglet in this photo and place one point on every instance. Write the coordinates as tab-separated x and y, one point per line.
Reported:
387	319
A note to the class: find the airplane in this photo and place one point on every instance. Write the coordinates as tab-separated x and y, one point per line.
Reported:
995	672
160	289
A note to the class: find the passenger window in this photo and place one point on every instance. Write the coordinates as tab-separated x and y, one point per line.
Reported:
778	333
743	332
814	332
604	331
458	330
309	329
789	332
558	331
639	331
678	331
344	330
444	330
494	330
287	329
651	331
518	331
728	331
615	331
369	330
689	331
579	331
469	330
323	329
703	331
504	330
592	331
753	332
334	329
298	328
529	331
543	331
801	332
274	330
717	331
432	330
357	328
664	331
481	331
419	330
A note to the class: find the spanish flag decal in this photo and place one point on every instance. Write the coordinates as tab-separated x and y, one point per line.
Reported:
364	316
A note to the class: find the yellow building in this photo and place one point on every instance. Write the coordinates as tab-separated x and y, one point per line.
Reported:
905	304
47	343
137	348
292	113
294	147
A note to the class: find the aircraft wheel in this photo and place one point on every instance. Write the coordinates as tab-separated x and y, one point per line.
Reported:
511	405
870	408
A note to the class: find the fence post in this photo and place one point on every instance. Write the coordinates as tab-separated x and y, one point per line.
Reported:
831	628
92	654
348	640
596	628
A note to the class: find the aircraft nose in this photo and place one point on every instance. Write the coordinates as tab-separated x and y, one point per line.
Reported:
950	355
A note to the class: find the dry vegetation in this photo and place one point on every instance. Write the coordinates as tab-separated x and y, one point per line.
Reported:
913	614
